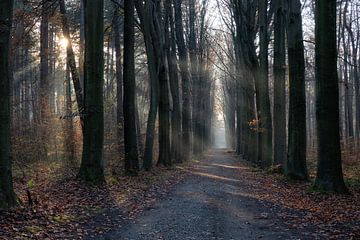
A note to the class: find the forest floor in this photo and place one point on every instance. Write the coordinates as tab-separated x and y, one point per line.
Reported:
219	196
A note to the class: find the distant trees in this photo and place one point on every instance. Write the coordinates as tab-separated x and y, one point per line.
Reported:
92	166
253	116
7	195
329	171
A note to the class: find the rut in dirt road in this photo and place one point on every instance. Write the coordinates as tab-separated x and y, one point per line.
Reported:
214	202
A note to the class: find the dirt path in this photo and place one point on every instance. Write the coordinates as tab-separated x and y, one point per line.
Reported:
214	202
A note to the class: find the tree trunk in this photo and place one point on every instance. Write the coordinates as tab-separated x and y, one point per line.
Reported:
329	175
296	162
72	63
69	129
119	79
7	195
174	87
279	83
44	80
145	16
195	80
185	83
92	167
264	112
130	137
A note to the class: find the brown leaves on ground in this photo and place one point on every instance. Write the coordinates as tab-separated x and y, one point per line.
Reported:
321	215
70	209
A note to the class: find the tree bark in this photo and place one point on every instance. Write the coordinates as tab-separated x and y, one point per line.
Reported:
44	80
7	195
130	137
329	175
145	16
264	112
119	78
174	86
296	162
279	83
69	129
92	167
185	83
72	63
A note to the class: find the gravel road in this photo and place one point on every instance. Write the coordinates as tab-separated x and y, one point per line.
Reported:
214	202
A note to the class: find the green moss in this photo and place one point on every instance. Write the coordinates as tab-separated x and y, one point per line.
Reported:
112	180
93	211
34	229
314	189
64	218
351	182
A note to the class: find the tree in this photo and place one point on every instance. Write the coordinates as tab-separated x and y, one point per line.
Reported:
265	153
7	195
296	161
69	126
71	61
164	99
92	169
145	13
185	84
131	151
44	77
174	86
119	75
279	83
329	175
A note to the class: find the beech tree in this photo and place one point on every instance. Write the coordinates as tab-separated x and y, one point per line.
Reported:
185	83
7	195
92	166
296	161
44	79
131	151
265	152
279	67
329	175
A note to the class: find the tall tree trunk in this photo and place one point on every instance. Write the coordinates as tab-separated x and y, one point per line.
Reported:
44	79
329	175
174	87
164	101
92	166
146	14
82	44
279	83
195	80
130	137
296	162
119	78
185	83
71	62
69	129
7	195
264	112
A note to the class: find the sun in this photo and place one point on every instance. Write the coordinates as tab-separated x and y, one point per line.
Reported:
63	42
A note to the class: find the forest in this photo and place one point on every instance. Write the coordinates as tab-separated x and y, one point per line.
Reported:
179	119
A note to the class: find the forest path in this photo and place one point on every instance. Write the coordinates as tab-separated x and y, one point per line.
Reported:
214	202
